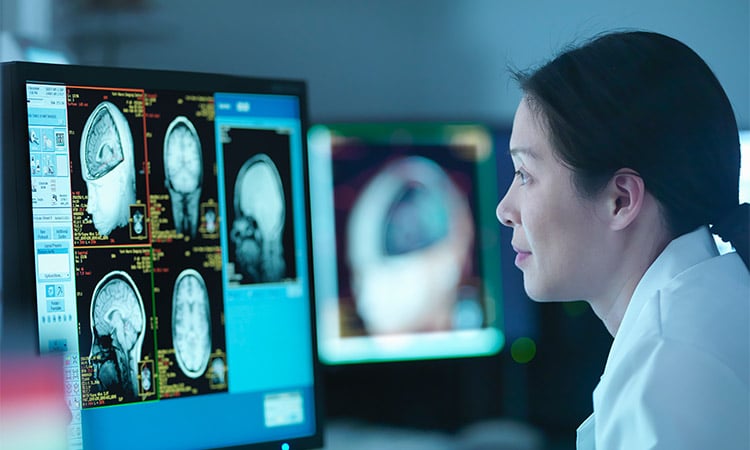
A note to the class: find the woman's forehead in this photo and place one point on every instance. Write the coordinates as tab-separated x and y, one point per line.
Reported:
528	139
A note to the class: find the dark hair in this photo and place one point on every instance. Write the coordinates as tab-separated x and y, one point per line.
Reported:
647	102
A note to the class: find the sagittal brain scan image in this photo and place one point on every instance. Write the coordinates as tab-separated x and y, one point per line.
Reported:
118	324
409	235
191	323
183	171
108	168
258	226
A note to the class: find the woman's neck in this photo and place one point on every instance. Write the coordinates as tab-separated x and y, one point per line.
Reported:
636	249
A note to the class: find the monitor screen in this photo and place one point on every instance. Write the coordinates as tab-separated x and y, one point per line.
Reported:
405	241
168	232
725	247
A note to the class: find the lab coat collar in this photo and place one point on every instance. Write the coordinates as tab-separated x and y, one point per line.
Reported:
679	255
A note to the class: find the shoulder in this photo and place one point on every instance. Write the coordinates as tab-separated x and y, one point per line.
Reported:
683	361
707	308
673	396
706	292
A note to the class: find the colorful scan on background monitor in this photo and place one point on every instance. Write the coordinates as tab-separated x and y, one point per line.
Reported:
405	242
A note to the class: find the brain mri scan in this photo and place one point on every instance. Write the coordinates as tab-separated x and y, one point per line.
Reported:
258	225
118	324
218	371
107	167
183	171
409	235
138	226
145	378
191	323
210	217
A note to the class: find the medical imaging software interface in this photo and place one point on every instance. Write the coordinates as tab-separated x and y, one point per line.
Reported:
171	268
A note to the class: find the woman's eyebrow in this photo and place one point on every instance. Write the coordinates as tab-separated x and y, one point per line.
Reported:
517	151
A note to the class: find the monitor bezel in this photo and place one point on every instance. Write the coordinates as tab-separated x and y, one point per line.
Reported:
19	327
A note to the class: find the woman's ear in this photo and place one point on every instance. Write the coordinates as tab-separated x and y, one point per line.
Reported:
624	198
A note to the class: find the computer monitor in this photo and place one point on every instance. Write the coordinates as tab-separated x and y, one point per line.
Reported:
744	195
159	224
406	250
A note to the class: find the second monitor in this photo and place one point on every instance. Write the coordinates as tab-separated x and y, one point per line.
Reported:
405	248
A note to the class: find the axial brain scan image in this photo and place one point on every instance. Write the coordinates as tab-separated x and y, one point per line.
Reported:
108	168
183	171
145	378
409	237
258	226
191	323
218	371
118	323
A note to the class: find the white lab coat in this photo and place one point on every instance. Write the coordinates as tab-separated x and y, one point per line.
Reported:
677	373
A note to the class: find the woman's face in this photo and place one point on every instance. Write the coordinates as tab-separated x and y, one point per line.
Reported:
556	234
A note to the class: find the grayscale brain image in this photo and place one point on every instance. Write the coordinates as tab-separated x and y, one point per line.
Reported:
190	307
118	324
146	377
191	323
260	218
183	171
218	372
107	140
108	168
182	167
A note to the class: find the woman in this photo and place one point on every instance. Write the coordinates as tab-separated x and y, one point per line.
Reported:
625	150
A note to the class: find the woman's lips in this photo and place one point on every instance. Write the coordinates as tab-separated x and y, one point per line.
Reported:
521	256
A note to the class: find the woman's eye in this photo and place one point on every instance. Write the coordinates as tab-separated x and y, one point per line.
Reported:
521	176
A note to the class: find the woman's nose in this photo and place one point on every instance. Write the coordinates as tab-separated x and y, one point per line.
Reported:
505	213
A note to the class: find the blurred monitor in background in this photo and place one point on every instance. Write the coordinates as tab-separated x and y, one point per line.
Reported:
405	242
409	239
725	247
